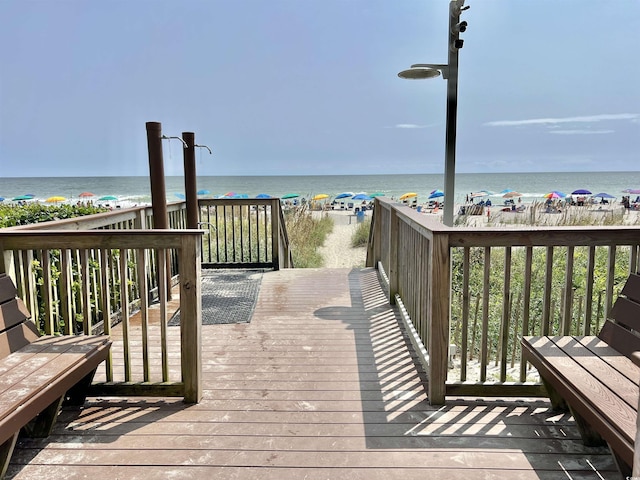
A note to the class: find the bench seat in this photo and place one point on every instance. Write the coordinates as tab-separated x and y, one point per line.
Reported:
38	373
597	377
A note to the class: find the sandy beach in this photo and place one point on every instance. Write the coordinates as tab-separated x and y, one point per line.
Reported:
337	250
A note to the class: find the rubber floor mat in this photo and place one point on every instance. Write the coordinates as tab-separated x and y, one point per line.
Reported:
228	296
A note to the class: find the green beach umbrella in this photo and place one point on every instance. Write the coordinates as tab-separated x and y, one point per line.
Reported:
108	197
290	195
22	197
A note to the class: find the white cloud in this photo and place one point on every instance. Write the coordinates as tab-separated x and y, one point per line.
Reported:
554	121
581	132
411	125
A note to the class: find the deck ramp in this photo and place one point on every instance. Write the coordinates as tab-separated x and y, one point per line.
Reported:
321	384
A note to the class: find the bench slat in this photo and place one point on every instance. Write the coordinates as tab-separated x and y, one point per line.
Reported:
8	290
12	312
619	338
627	313
631	289
17	337
612	356
613	418
601	370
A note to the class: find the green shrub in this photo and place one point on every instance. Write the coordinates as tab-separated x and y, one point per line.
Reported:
14	215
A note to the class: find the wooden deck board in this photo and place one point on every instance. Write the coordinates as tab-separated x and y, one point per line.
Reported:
321	384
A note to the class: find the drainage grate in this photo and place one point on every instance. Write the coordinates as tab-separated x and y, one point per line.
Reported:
228	296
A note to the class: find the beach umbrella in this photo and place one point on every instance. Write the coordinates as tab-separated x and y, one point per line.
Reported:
180	196
203	192
603	195
377	194
290	195
511	194
21	197
436	194
86	194
30	195
581	191
1	199
362	196
263	195
506	190
240	195
408	195
107	198
320	196
344	195
554	194
55	199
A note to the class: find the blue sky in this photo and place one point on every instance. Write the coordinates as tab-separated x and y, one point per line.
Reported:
304	87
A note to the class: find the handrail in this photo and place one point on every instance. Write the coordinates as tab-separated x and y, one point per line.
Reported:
524	280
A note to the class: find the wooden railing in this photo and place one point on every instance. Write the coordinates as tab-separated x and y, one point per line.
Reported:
86	274
475	291
248	233
107	268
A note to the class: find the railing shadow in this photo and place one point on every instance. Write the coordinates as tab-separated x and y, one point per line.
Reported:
397	413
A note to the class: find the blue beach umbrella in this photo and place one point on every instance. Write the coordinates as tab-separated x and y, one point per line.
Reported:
603	195
344	195
263	195
203	192
581	191
180	196
436	194
1	199
362	196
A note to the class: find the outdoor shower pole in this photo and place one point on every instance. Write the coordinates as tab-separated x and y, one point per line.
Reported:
156	175
190	181
158	192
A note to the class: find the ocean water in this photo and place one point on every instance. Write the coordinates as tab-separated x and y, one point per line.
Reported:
137	190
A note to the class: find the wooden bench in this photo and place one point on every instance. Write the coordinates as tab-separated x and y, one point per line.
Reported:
596	377
38	373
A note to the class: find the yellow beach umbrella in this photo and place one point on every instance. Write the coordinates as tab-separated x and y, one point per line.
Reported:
55	199
320	196
408	195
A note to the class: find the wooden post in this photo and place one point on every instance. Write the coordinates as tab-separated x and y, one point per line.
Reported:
394	232
158	191
275	233
438	317
191	317
190	179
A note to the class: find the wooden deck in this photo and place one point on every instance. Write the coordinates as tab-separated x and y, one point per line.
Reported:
321	384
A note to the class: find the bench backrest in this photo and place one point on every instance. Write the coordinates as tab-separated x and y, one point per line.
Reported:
622	328
16	327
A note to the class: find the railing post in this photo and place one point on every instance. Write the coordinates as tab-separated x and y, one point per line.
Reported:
191	318
394	232
438	313
275	234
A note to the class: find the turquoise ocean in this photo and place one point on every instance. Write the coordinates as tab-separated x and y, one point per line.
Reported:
136	190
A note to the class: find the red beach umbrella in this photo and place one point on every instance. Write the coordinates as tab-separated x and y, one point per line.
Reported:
86	194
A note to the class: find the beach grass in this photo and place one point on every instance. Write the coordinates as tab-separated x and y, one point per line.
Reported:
307	233
360	236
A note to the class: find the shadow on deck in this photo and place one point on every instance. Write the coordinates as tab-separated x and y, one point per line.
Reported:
322	383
